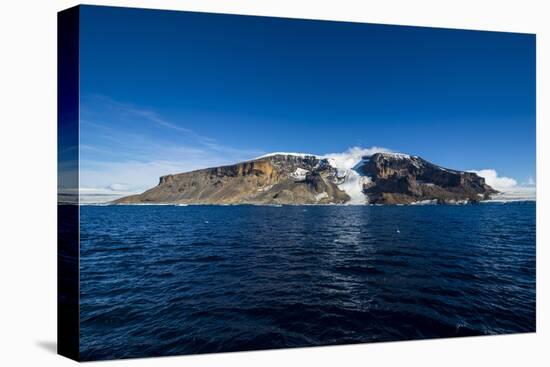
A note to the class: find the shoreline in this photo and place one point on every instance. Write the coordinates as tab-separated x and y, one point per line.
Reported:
298	205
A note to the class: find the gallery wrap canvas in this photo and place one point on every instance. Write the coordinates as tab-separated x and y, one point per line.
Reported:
235	183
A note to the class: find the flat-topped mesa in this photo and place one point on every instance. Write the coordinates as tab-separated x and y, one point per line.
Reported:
400	178
296	178
271	179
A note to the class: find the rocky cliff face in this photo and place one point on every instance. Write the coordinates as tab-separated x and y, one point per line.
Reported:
403	179
277	179
383	178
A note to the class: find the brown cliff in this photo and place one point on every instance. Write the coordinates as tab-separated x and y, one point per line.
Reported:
387	178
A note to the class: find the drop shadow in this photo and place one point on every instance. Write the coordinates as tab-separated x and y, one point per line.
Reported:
48	345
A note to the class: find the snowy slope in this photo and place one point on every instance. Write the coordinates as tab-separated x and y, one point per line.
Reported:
347	163
301	155
351	181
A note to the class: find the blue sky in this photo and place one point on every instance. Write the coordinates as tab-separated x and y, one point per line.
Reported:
165	92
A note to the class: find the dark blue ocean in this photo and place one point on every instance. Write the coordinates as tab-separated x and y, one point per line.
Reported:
165	280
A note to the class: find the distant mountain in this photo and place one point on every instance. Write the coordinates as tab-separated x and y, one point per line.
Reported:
295	178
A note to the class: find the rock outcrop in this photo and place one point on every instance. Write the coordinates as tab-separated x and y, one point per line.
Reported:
277	179
382	178
403	179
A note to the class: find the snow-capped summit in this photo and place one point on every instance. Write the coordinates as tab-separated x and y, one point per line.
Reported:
293	154
358	176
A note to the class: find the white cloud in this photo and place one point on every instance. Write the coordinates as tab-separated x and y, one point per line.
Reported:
119	155
349	158
509	188
93	195
495	181
118	187
138	175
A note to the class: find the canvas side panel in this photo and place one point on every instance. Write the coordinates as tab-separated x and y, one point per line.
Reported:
67	184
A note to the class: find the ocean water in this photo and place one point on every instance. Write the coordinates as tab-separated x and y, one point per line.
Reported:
166	280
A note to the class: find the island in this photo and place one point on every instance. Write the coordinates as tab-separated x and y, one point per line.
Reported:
297	178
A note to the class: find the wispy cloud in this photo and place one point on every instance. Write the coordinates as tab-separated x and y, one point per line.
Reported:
125	148
155	119
129	111
125	144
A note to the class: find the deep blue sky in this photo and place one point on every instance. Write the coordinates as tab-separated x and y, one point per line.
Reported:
180	90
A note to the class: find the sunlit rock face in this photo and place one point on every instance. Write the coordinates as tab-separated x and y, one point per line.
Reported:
292	178
274	179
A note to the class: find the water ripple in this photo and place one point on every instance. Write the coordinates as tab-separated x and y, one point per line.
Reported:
162	280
